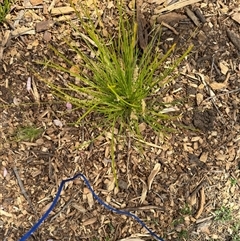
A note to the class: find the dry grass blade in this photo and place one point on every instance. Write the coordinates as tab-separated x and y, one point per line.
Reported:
174	6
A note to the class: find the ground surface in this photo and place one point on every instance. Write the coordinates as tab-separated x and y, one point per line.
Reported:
198	179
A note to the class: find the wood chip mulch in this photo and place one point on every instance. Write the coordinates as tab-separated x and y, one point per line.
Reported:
174	183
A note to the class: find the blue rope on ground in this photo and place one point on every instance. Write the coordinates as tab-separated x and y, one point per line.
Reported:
35	226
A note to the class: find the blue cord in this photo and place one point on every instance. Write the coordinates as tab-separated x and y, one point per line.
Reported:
121	212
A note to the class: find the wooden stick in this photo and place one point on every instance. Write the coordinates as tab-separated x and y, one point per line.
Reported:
20	183
192	16
170	27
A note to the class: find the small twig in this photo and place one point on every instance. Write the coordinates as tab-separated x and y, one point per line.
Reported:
201	203
28	7
212	65
88	39
226	93
147	143
200	185
64	207
170	27
20	183
148	207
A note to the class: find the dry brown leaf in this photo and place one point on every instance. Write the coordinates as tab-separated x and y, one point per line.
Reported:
74	70
110	184
53	2
218	86
22	30
90	199
32	14
45	208
89	221
35	92
192	200
26	3
80	208
204	227
204	157
4	213
223	66
236	17
199	98
154	172
62	10
36	2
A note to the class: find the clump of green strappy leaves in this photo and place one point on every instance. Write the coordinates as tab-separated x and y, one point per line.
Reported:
117	80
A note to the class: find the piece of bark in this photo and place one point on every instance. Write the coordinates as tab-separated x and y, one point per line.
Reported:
170	18
200	15
192	16
44	25
47	36
142	28
234	38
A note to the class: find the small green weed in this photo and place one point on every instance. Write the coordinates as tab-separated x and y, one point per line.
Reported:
4	9
178	221
111	228
28	133
186	210
183	235
236	232
233	181
223	214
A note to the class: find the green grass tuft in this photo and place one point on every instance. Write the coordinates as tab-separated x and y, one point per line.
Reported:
120	81
28	133
4	9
